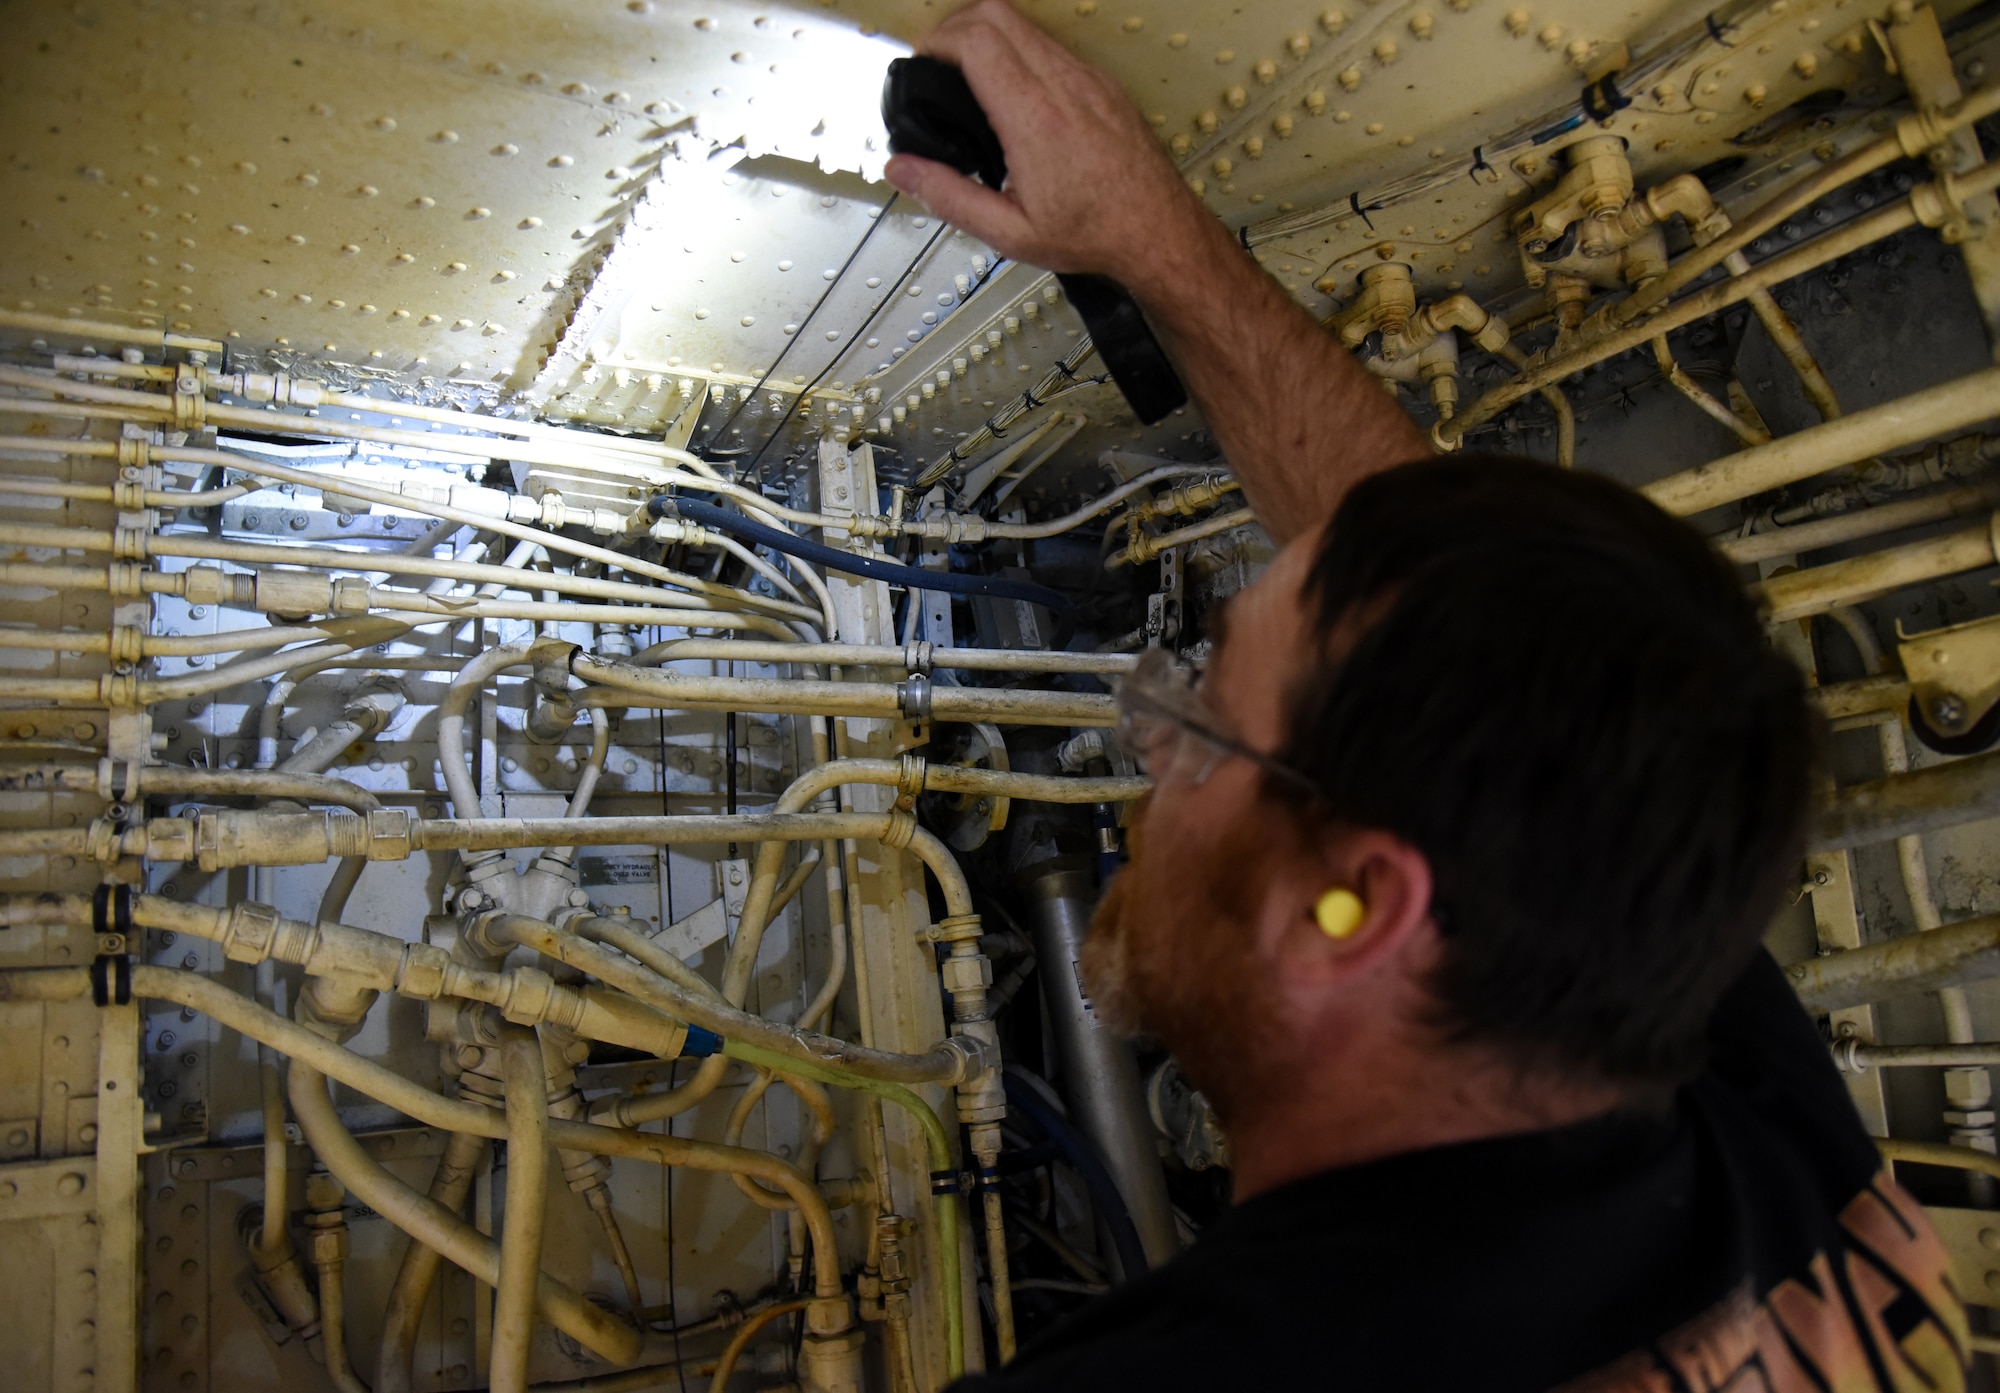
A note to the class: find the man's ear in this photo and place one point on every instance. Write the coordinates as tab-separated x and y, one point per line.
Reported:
1390	879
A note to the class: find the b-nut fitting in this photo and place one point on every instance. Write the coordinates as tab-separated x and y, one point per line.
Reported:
205	585
962	976
530	992
327	1245
975	1057
828	1315
249	932
422	973
350	595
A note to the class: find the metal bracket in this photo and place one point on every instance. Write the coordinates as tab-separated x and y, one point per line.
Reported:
1954	675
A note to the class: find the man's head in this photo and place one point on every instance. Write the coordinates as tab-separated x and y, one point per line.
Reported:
1552	752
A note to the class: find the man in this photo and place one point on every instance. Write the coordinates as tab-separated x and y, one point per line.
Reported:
1450	892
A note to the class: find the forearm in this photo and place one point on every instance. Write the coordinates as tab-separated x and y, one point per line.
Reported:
1299	420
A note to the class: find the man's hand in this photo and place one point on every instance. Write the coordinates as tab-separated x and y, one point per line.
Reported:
1088	186
1090	189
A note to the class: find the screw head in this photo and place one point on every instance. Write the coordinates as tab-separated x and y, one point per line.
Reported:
1947	710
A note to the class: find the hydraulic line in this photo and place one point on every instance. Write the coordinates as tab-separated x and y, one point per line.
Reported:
938	1142
527	1200
322	1057
945	1063
913	658
417	1274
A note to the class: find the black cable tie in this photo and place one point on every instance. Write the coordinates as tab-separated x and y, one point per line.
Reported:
1029	398
1603	100
994	430
1716	31
1243	236
111	979
1354	202
1479	163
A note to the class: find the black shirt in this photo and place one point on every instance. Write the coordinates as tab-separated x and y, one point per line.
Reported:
1746	1238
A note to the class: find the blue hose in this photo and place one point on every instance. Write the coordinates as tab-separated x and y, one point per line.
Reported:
912	577
1084	1160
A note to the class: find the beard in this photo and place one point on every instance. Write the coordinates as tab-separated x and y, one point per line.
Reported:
1171	956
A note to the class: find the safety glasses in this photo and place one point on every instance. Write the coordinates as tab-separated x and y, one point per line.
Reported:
1175	735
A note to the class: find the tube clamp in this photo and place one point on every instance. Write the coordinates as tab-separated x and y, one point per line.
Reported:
111	979
902	829
111	909
119	690
917	657
125	580
910	773
913	697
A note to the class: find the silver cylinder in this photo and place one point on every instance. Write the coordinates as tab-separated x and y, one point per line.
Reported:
1098	1075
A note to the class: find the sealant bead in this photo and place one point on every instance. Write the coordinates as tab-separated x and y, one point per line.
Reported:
1206	122
1333	21
1422	25
1298	44
1235	98
1315	102
1266	70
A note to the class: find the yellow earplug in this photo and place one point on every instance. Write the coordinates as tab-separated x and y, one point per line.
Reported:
1339	912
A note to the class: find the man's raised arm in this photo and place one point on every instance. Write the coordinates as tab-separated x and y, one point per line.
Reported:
1089	189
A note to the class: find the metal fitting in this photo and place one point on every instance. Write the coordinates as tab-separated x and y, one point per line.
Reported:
327	1246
